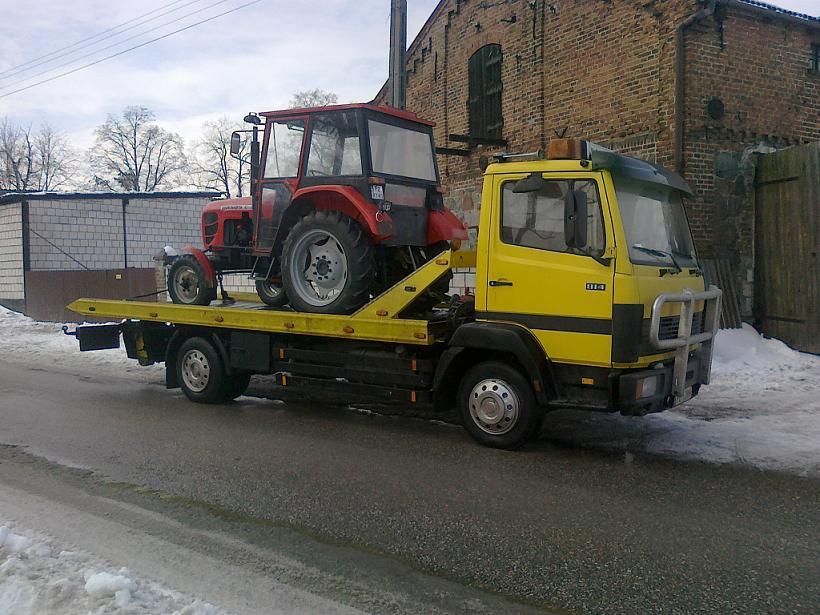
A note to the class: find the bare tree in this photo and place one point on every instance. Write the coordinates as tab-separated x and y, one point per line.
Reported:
213	167
16	156
34	161
313	98
134	152
55	159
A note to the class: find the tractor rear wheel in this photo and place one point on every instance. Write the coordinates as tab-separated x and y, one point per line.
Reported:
328	264
271	293
187	282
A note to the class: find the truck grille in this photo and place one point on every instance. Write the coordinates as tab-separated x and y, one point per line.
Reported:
669	326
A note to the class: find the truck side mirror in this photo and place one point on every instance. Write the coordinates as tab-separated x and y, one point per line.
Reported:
236	143
575	219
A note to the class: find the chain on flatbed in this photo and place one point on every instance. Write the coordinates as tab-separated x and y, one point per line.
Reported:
377	321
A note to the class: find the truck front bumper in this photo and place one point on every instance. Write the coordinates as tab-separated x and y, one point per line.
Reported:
670	384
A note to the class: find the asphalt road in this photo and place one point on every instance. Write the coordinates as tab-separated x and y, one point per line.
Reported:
553	526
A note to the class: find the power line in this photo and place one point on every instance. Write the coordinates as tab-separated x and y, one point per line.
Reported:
111	46
56	51
119	53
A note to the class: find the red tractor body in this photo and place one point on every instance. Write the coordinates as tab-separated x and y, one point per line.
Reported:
363	181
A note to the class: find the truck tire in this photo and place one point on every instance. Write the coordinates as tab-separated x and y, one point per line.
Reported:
498	407
236	385
271	293
187	282
328	264
200	372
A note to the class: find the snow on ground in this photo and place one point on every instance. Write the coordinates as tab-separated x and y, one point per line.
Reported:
38	576
43	343
761	410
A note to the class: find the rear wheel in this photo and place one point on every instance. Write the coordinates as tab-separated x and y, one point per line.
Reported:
236	385
327	264
271	293
200	372
498	407
187	282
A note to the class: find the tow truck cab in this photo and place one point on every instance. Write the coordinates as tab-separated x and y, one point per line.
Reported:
591	252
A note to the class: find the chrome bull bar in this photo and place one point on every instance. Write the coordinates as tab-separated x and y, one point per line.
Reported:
685	341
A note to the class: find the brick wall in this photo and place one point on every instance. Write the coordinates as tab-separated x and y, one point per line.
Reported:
12	285
605	70
152	224
758	68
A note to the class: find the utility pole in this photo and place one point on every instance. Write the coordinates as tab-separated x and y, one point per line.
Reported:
398	46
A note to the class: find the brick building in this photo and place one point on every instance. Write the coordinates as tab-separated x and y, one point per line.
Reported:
697	86
57	247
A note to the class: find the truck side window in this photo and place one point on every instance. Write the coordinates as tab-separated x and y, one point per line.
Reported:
284	149
536	219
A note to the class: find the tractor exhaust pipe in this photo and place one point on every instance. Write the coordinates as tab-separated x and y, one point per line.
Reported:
398	46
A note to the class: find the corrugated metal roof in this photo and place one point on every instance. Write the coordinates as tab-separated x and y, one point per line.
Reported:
17	197
777	9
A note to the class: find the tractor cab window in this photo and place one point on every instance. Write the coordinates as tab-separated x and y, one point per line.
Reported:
401	151
334	145
536	219
284	149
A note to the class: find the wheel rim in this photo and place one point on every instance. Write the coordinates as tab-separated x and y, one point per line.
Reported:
271	289
494	406
196	371
318	268
186	284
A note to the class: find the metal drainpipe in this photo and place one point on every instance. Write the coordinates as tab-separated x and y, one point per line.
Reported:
680	77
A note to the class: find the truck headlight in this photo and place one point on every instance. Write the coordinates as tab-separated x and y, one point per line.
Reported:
647	387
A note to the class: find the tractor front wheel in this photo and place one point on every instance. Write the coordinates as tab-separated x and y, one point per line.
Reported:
187	282
328	264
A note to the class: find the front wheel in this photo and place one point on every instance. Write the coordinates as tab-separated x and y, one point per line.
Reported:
187	282
201	373
498	407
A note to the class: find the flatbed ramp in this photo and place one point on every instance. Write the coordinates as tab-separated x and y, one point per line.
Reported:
379	320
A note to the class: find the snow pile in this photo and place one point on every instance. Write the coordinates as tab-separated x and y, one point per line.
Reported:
32	343
761	410
37	577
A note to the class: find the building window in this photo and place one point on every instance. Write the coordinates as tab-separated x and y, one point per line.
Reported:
484	102
814	60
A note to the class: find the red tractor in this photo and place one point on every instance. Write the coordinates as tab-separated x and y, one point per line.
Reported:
345	202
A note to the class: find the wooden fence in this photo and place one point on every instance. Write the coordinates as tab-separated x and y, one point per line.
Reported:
787	246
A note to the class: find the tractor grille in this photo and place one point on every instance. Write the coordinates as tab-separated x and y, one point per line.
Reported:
210	225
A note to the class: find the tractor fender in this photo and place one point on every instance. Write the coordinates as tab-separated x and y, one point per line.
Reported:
205	263
444	226
490	338
349	201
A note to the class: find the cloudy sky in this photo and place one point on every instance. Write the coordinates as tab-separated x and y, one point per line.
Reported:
254	58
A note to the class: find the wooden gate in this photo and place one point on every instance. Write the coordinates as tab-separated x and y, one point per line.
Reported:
787	246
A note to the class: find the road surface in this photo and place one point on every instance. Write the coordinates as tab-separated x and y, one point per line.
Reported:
396	514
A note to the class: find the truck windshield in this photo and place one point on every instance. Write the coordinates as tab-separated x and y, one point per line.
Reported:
400	151
655	224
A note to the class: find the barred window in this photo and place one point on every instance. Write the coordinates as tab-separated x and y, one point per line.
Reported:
484	102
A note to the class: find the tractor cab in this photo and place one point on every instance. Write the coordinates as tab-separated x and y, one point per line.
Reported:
379	160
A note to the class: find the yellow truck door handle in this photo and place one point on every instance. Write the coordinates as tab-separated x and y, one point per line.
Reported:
500	283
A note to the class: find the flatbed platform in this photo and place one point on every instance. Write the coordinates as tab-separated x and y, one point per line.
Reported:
379	320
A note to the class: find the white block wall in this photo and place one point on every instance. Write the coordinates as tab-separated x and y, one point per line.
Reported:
152	224
89	231
12	280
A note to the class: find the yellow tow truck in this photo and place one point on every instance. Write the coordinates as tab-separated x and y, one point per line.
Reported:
588	294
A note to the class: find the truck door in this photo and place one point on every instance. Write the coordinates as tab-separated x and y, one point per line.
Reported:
562	294
280	177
